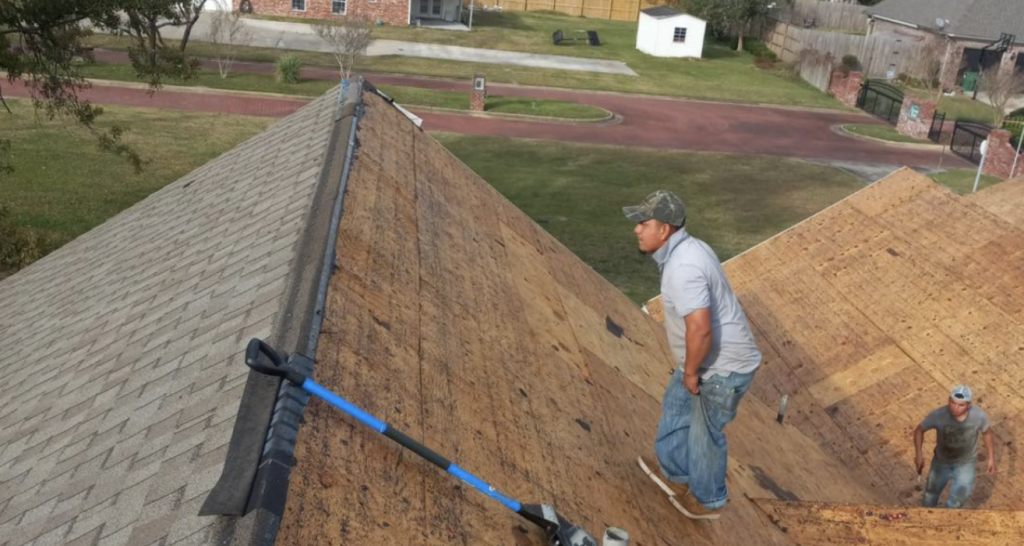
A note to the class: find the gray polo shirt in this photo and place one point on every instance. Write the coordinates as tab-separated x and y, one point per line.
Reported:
957	441
692	278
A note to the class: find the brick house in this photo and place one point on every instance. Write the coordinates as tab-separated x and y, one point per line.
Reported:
392	12
965	27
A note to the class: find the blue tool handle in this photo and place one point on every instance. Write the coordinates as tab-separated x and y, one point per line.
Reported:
405	441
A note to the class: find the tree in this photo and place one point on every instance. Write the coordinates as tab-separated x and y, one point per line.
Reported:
42	41
153	59
227	31
930	60
1001	86
349	38
732	15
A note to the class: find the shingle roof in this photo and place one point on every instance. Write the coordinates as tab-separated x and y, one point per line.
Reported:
974	18
120	351
661	12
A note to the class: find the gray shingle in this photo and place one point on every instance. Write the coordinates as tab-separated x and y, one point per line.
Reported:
974	18
121	351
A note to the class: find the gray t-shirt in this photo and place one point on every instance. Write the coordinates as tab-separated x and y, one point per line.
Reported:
957	440
692	278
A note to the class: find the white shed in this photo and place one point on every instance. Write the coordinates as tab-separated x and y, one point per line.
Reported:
665	32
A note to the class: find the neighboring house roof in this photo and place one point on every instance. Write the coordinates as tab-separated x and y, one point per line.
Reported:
968	18
121	351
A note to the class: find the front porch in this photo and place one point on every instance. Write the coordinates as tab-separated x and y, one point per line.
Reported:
440	14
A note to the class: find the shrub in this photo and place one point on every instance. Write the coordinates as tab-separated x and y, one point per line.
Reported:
20	247
849	63
757	48
288	68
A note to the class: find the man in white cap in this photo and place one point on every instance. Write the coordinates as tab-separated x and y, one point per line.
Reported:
957	425
715	356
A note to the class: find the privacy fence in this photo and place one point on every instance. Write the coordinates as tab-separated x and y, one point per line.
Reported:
616	10
878	54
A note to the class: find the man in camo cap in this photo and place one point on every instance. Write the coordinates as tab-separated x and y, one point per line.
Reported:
715	355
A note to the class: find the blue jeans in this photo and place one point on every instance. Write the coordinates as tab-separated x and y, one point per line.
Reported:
691	446
940	474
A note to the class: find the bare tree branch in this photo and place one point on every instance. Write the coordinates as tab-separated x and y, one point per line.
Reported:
349	38
1001	86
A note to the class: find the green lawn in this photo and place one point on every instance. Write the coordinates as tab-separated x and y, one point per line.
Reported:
958	107
962	180
63	185
576	192
409	96
723	74
881	132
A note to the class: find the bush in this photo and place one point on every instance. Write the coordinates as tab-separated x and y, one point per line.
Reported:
288	68
758	50
849	63
20	247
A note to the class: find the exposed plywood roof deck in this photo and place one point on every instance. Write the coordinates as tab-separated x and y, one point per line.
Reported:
873	309
1005	200
460	321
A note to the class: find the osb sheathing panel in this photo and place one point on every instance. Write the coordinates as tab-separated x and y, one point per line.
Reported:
818	524
1005	200
870	311
458	320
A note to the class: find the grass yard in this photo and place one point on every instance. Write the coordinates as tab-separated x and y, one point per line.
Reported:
958	107
63	185
576	192
723	75
962	180
408	96
881	132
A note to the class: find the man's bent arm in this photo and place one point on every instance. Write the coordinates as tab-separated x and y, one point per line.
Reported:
698	339
918	447
990	444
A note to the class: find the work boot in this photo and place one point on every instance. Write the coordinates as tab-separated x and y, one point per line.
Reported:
678	494
671	488
692	508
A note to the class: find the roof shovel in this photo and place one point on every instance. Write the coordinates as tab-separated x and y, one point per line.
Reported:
262	358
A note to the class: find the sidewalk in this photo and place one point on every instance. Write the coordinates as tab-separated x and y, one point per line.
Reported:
298	36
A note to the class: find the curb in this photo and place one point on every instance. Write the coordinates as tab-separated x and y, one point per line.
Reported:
841	130
609	119
199	90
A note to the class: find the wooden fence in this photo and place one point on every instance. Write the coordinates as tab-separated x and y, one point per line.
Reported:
616	10
830	15
877	54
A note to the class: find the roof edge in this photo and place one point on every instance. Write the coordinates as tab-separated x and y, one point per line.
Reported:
261	450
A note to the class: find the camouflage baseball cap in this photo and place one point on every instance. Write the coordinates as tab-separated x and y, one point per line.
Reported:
661	205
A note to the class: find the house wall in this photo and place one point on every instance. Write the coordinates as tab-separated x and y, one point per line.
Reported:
954	52
655	36
392	12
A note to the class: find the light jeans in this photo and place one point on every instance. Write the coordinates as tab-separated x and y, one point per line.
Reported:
691	446
962	476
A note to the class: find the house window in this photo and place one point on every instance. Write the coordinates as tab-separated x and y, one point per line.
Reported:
436	7
338	7
298	5
679	35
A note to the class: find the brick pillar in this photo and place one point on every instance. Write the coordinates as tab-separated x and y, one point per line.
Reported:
916	118
846	88
478	97
999	159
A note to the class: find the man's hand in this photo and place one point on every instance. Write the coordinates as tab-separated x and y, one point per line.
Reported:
691	382
919	463
991	464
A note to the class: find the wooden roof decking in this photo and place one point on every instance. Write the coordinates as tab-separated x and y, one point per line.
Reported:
870	311
460	321
1005	200
814	524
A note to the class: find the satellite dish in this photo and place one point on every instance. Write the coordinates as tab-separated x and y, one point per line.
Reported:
940	22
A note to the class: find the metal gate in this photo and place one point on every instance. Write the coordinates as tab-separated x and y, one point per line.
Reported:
881	99
935	133
967	139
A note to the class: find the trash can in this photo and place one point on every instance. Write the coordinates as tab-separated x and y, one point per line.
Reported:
970	81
